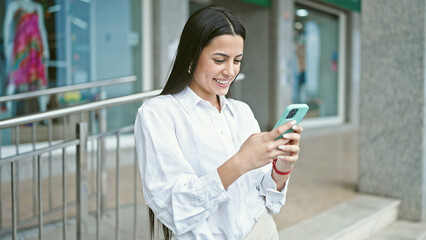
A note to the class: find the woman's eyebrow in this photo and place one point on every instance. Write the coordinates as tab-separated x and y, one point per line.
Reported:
225	55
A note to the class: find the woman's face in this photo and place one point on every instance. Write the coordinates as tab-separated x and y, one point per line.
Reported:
219	63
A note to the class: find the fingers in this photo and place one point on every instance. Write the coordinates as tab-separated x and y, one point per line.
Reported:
288	159
292	138
285	152
275	144
288	139
297	129
281	129
277	132
290	149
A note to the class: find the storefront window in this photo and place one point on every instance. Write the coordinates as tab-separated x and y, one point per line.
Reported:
55	43
317	72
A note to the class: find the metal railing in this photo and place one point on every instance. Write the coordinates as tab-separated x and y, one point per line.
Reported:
64	89
88	152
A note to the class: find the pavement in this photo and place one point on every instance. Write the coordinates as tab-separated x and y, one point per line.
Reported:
324	176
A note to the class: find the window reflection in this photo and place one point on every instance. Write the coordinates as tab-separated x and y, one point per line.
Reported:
316	65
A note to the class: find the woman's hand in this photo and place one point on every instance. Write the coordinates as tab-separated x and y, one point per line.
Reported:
290	150
289	156
261	148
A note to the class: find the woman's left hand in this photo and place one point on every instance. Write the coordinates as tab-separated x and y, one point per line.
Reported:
286	161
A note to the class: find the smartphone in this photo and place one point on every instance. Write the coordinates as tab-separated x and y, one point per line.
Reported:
292	112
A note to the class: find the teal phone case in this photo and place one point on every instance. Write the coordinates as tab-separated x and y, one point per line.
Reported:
292	112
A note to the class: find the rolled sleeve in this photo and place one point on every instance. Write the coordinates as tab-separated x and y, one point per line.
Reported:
194	199
274	199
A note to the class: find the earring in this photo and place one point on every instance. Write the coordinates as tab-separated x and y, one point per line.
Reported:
189	69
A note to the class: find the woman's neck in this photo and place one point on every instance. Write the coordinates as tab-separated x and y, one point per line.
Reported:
213	99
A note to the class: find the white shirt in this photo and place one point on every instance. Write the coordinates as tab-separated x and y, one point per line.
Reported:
181	140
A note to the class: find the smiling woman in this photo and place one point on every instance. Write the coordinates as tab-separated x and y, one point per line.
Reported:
205	166
218	65
201	28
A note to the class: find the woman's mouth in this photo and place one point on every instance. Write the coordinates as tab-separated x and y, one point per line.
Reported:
222	82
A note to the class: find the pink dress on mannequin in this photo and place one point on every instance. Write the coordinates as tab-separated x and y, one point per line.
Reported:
28	70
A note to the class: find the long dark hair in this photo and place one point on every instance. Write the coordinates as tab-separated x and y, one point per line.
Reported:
201	27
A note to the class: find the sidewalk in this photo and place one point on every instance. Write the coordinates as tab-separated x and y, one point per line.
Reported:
324	176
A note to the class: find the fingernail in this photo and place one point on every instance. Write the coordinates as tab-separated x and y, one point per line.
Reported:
293	122
280	157
285	136
294	127
281	147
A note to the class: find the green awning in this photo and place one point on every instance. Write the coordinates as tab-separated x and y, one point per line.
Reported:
264	3
353	5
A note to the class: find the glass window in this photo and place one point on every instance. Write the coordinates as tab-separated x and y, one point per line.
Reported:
55	43
316	70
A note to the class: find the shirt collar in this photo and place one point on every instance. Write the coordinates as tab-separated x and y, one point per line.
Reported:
188	99
224	103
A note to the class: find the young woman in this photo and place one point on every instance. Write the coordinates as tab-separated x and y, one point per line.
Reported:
206	168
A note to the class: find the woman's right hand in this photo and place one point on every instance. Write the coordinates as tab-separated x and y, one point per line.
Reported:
257	151
261	148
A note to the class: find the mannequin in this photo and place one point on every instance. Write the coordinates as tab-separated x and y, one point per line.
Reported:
26	49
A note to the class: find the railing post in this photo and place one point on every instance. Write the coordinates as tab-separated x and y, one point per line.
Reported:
104	176
82	185
103	128
1	183
13	199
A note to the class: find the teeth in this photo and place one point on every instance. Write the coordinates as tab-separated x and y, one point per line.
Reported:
221	81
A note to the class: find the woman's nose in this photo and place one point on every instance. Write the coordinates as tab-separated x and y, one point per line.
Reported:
229	70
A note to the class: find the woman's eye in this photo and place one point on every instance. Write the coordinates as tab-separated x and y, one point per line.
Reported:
219	61
238	60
